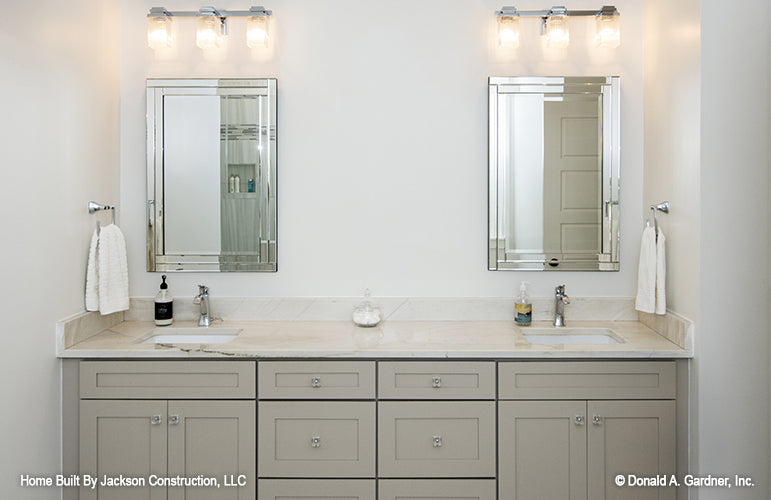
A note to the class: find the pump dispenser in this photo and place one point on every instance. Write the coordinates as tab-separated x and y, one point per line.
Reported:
524	308
164	305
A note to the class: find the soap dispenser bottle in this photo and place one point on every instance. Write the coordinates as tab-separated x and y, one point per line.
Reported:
164	305
524	308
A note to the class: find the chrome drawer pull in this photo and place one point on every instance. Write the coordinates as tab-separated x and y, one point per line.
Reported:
173	419
437	441
156	420
316	442
316	382
579	420
437	382
597	420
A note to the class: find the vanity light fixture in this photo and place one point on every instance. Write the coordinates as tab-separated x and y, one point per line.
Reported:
508	27
211	26
554	25
159	32
257	28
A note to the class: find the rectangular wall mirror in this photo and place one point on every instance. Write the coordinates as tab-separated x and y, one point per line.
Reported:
553	173
211	175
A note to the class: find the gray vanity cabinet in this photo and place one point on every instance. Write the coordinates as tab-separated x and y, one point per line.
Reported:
573	449
165	437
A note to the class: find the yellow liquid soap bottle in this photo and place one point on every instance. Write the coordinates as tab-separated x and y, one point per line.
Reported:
524	308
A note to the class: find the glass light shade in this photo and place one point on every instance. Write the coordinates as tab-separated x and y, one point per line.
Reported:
608	31
557	32
508	32
208	33
159	32
257	32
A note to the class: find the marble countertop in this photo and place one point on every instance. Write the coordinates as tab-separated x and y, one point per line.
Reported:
390	339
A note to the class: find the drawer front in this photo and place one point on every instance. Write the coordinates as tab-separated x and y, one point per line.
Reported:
316	489
587	380
316	380
436	439
316	439
168	379
436	380
436	489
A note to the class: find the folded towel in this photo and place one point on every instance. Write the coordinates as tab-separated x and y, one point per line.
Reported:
661	274
646	273
92	277
107	273
651	274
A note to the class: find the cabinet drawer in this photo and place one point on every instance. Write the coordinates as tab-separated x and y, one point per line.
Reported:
168	379
436	380
436	439
316	439
316	380
587	380
436	489
316	489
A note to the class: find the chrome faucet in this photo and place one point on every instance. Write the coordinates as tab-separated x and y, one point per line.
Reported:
560	300
203	299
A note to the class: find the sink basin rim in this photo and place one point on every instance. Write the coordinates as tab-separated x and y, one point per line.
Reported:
576	336
187	335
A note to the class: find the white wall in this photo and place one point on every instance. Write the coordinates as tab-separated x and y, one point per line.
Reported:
732	351
382	143
59	149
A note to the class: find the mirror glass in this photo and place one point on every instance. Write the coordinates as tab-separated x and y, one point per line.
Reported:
211	175
553	173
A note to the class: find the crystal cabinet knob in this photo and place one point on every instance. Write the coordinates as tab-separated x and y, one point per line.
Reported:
173	419
437	441
436	382
316	382
156	420
597	420
579	420
316	442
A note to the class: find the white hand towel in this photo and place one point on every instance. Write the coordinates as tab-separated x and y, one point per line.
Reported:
646	273
92	276
661	274
107	274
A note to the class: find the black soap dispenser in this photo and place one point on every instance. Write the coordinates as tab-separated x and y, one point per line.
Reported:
164	305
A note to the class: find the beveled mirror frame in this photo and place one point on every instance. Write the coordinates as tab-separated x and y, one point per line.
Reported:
607	259
265	259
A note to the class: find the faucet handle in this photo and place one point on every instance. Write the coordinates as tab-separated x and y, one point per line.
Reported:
202	289
560	289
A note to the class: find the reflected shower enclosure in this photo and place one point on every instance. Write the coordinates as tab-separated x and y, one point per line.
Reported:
211	174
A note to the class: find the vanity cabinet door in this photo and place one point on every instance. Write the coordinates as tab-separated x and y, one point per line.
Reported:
213	439
542	450
630	437
125	438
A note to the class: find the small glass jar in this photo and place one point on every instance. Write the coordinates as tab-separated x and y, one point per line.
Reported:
366	314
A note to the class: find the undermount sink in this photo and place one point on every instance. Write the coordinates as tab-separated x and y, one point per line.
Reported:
191	335
572	336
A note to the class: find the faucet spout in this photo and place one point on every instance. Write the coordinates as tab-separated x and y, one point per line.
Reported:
560	301
203	299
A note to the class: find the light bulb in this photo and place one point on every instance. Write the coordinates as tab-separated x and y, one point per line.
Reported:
208	32
557	32
257	32
159	32
608	31
508	32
